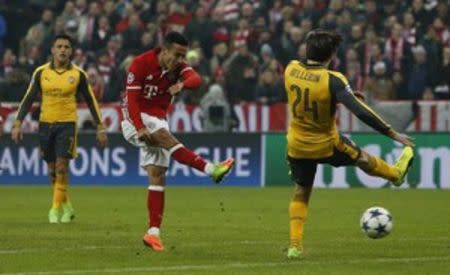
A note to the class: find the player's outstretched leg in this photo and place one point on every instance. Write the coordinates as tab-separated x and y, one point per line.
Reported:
375	166
217	171
403	163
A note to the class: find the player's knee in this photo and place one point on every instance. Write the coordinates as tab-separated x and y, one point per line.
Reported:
366	162
302	192
157	176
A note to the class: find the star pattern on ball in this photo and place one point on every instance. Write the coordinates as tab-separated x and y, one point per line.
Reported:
380	228
375	213
365	226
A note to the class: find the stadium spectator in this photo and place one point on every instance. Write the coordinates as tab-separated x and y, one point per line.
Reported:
372	15
115	91
268	61
132	34
102	34
270	88
397	49
57	121
114	50
352	69
220	55
46	22
109	10
216	25
200	28
364	49
79	58
34	38
422	15
419	82
216	111
409	28
177	17
80	7
104	66
309	10
69	13
154	77
9	61
312	136
96	81
88	26
240	71
442	89
32	59
379	86
290	43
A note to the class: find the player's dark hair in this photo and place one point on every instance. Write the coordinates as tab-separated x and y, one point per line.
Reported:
321	44
175	38
64	37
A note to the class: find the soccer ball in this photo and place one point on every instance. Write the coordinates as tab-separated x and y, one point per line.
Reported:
376	222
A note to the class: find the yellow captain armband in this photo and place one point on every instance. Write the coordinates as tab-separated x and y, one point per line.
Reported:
17	123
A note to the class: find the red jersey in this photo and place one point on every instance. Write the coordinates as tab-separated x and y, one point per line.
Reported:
147	86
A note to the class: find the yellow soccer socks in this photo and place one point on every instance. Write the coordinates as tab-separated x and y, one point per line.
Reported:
298	211
380	168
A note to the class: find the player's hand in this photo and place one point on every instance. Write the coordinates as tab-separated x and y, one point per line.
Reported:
102	138
144	135
16	133
176	88
403	139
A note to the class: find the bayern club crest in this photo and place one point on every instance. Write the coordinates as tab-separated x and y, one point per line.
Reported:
130	78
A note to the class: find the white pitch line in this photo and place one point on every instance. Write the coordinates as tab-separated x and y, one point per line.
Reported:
25	251
198	244
237	265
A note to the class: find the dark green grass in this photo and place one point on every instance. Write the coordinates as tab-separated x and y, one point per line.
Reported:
218	230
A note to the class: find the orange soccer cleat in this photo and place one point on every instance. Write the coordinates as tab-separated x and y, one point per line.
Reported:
154	242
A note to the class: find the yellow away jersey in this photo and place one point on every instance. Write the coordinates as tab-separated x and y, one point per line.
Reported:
59	90
312	129
313	92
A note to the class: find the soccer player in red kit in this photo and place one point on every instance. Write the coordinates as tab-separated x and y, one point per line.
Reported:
154	77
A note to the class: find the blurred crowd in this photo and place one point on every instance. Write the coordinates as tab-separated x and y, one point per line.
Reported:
392	50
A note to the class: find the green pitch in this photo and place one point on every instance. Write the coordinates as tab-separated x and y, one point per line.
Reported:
221	230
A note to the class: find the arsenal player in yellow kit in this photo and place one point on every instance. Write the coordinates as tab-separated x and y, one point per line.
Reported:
58	84
313	92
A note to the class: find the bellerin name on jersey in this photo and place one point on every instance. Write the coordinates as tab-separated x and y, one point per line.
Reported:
304	75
